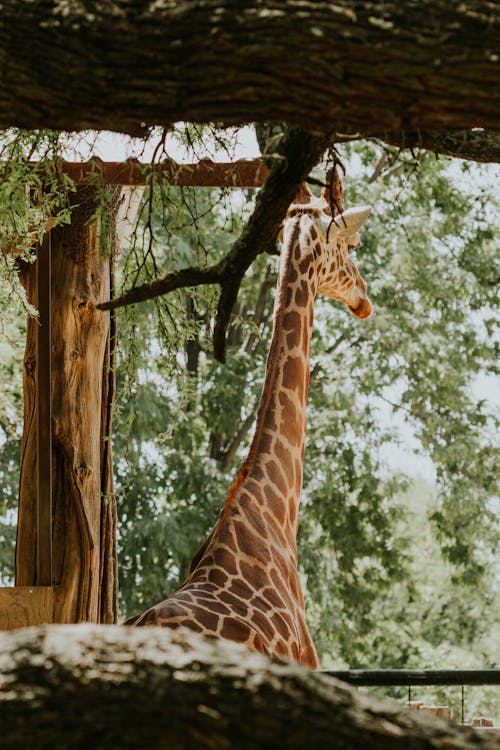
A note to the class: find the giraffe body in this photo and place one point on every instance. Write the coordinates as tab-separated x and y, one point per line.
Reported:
243	583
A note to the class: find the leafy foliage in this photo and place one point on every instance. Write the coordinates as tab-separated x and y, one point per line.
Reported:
395	572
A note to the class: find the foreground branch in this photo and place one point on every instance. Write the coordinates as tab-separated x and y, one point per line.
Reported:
299	152
370	66
86	686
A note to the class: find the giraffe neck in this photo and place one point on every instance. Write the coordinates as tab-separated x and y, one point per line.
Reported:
272	471
276	453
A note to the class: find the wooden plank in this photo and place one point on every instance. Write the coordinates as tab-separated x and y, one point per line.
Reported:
21	606
44	415
205	173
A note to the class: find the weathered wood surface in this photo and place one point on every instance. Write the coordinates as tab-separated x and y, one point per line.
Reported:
84	513
21	606
376	66
205	173
112	687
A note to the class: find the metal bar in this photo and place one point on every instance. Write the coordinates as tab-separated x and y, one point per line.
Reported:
44	415
206	173
418	676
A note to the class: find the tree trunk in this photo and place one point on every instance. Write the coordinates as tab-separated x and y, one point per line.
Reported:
95	687
84	513
371	66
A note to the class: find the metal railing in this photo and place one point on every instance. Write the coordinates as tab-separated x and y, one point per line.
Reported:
416	677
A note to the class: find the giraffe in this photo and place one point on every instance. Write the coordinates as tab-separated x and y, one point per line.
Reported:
243	582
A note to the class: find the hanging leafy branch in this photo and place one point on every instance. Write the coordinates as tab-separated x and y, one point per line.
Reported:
299	152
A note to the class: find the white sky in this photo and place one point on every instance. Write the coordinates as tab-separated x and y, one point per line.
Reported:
115	147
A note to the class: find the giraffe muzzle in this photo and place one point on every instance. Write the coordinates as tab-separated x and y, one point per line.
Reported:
363	309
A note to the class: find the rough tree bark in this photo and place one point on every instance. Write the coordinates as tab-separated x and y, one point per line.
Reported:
109	687
381	67
84	513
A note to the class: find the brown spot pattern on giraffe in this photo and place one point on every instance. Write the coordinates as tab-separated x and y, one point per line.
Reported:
251	543
276	504
254	518
292	321
236	603
273	597
276	477
305	350
290	419
235	630
305	264
218	576
262	623
282	453
293	373
302	294
192	624
225	560
240	589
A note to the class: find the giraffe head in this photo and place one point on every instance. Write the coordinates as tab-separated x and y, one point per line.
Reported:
332	238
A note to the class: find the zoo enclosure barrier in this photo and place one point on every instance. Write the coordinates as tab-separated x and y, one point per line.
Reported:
415	677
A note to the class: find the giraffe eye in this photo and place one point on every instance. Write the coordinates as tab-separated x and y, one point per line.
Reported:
354	241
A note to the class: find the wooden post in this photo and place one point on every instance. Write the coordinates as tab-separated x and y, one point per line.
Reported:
73	373
44	416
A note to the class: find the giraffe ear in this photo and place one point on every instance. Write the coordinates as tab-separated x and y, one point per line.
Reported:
345	224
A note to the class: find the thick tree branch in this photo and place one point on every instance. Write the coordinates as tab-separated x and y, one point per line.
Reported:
374	66
187	277
85	686
476	145
299	152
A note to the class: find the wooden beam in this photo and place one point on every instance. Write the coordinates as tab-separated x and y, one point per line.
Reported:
244	173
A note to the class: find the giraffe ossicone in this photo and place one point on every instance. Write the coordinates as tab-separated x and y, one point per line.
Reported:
243	582
347	223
